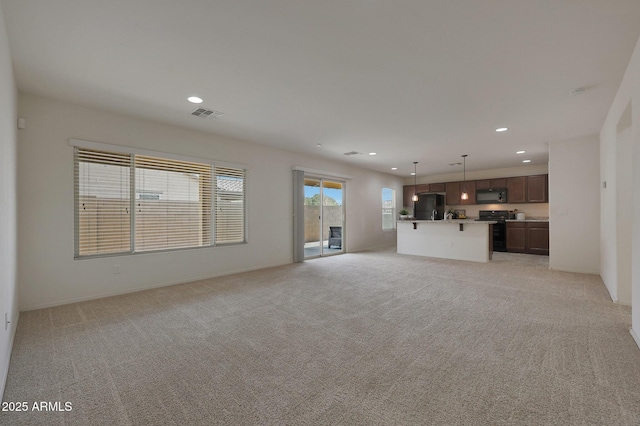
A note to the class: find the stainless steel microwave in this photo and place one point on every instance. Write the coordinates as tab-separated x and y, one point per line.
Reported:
491	196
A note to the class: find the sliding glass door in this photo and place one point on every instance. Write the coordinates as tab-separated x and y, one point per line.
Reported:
323	217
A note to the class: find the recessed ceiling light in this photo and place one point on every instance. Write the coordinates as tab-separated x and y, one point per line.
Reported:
194	99
502	129
526	161
578	91
372	153
520	152
318	145
394	168
413	174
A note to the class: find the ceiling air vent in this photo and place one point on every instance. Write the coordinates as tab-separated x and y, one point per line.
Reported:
206	113
352	153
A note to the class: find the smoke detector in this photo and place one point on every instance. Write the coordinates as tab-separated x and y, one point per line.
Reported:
206	113
352	153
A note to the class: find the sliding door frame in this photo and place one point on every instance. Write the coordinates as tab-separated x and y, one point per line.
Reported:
299	176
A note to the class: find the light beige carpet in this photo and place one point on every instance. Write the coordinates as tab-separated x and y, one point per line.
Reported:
372	338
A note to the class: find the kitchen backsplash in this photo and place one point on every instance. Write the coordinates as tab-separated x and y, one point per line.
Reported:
531	210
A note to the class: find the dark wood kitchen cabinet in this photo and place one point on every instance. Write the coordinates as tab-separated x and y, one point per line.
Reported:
483	184
470	188
538	238
437	187
528	237
454	191
421	188
520	189
491	183
537	189
516	237
499	183
407	193
517	189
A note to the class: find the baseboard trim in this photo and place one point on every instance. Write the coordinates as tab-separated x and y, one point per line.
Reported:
150	287
635	337
575	271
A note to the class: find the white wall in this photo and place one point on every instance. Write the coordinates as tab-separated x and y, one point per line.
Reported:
48	274
628	94
624	220
574	205
8	245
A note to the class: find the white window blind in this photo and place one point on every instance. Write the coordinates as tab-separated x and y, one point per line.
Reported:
132	202
229	205
102	202
173	204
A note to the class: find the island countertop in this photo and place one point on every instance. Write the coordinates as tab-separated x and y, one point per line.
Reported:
528	220
461	239
486	222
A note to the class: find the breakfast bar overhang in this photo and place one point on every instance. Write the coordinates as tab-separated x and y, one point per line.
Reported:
447	239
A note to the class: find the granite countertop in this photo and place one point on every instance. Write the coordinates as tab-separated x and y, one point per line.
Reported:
489	222
533	219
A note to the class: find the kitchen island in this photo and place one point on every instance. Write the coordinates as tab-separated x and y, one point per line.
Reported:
460	239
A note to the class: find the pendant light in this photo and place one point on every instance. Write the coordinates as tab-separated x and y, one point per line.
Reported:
464	195
415	183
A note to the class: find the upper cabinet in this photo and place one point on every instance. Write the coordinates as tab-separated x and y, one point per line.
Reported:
537	189
470	188
421	188
483	184
454	192
407	193
491	183
517	189
520	189
528	189
437	187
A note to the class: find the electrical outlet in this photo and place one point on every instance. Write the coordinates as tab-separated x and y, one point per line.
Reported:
116	268
450	243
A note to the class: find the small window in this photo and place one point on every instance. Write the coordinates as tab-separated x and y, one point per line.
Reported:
388	209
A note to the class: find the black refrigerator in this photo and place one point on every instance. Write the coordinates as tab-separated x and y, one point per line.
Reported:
426	205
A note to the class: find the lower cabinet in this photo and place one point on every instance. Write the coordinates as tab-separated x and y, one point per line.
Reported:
528	237
538	238
516	237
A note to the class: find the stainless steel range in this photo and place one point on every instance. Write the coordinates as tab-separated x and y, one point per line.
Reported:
499	229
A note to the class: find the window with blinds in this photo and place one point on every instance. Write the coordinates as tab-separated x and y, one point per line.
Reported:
127	203
229	205
102	202
173	204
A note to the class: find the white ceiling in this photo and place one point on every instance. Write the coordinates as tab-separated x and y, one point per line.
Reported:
419	80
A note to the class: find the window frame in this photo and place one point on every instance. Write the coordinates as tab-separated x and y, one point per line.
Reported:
393	209
132	152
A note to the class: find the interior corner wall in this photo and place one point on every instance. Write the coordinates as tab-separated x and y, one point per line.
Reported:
628	94
574	210
623	214
49	275
8	214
